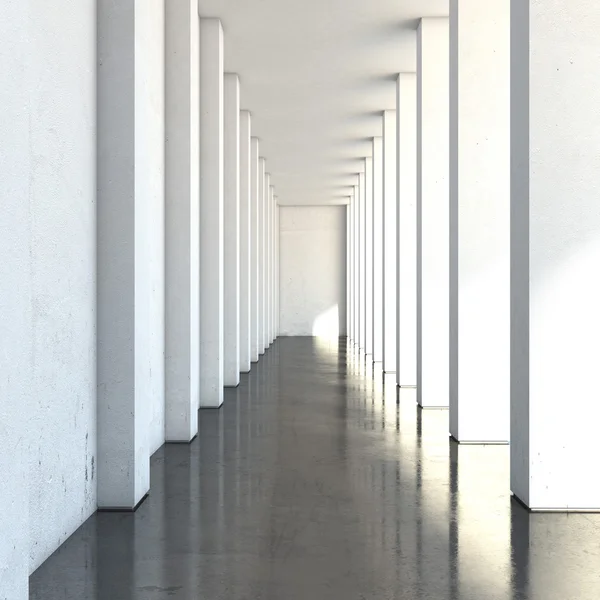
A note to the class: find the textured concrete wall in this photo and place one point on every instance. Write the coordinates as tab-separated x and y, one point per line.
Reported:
62	423
313	270
16	349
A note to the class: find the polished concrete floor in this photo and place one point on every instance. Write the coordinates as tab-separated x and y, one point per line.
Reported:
316	481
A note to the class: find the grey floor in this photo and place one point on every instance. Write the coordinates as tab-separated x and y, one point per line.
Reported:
316	481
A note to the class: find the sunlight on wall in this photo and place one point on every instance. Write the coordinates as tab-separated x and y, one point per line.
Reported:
327	324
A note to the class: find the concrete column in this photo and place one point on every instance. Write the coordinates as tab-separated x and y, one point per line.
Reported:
377	249
277	274
406	230
211	214
245	241
16	327
368	254
231	250
432	213
271	265
480	221
351	298
130	258
356	252
390	169
254	247
349	284
261	254
265	244
555	254
361	263
182	220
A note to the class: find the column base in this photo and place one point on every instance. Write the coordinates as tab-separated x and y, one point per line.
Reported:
124	509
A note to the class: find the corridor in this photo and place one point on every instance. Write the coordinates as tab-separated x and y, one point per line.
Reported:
316	482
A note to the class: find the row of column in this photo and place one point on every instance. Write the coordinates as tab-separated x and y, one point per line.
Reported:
221	224
474	239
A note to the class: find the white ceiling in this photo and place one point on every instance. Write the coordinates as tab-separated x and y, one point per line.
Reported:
316	75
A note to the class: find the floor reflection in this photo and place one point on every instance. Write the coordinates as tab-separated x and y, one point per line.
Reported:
320	479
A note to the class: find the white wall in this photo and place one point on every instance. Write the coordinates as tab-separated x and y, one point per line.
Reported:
312	270
15	298
62	420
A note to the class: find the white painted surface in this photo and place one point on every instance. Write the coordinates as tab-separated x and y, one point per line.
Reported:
182	242
362	311
277	268
390	167
231	240
269	258
356	258
245	242
271	261
265	250
368	295
254	250
432	213
479	220
131	223
349	273
150	206
261	254
377	249
555	253
406	240
313	277
345	55
16	339
211	214
61	378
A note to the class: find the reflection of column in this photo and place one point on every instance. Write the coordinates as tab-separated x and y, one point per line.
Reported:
182	220
361	262
16	328
231	242
254	248
377	249
388	239
555	254
479	220
368	253
406	231
245	242
211	213
432	213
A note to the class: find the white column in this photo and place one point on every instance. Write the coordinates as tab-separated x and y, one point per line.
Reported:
406	236
211	214
123	266
265	245
368	253
231	243
254	248
269	263
352	299
389	241
356	252
377	249
245	241
555	254
432	213
182	242
272	266
361	263
16	327
349	284
480	220
277	274
261	254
